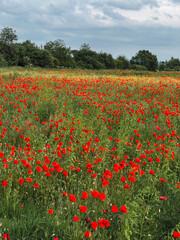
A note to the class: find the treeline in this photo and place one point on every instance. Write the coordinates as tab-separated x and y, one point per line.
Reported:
55	54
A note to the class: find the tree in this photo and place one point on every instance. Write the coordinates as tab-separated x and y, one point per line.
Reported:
8	36
3	62
146	59
122	62
107	60
173	64
30	54
85	58
88	59
59	50
7	46
45	59
85	46
162	66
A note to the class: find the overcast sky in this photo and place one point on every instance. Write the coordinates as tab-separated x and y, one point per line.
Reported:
119	27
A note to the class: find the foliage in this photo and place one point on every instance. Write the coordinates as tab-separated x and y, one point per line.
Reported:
32	55
146	59
3	62
139	67
7	47
106	60
172	65
88	59
122	63
8	36
59	51
55	54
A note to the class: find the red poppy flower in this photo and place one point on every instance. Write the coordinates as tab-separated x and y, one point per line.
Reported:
4	183
36	185
95	194
94	175
132	179
176	234
141	172
114	209
50	211
72	198
151	172
102	196
88	234
123	209
65	173
126	186
94	225
123	179
163	198
83	208
103	223
6	236
1	154
75	219
105	183
162	180
38	169
65	194
21	180
28	179
84	195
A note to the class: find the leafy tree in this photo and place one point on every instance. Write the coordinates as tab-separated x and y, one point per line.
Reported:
88	59
107	60
45	58
173	64
122	62
146	59
8	36
85	46
139	67
3	62
59	51
30	54
162	66
7	47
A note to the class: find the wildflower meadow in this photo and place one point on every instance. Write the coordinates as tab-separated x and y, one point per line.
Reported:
89	154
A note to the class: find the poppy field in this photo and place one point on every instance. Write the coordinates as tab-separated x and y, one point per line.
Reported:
89	155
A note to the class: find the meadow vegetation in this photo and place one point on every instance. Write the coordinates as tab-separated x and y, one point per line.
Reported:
89	154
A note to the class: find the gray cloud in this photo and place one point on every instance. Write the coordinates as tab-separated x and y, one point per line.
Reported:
114	26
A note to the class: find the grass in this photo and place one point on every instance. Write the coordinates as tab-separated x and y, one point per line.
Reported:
111	135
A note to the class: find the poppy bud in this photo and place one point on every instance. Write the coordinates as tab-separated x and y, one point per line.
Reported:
87	219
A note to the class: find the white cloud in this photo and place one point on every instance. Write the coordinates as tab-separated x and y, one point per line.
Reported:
166	13
95	13
114	26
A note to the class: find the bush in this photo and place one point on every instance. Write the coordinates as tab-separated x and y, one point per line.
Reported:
139	67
